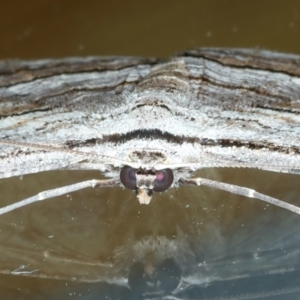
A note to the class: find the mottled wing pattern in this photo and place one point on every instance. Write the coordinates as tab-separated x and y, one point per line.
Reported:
205	108
51	102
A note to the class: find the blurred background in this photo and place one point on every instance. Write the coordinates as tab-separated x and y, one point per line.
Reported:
54	28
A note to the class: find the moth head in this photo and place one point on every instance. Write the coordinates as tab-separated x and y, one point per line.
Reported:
144	181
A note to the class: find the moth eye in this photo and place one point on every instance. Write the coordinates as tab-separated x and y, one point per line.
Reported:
128	177
163	180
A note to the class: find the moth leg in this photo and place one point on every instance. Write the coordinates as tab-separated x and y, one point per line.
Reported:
235	189
61	191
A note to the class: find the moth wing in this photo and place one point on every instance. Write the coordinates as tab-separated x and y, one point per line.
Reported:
49	102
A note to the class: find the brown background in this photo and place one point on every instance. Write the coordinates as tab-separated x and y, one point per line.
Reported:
44	28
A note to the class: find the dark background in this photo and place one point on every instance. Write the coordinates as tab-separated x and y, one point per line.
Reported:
44	28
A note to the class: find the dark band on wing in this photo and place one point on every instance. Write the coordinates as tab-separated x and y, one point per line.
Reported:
249	58
179	139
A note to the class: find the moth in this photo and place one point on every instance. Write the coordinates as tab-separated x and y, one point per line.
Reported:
148	125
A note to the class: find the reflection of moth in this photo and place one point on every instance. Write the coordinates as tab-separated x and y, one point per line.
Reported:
148	124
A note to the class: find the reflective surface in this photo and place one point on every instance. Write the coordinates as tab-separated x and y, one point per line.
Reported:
216	243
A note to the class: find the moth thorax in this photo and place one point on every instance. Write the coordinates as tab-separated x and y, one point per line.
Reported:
148	156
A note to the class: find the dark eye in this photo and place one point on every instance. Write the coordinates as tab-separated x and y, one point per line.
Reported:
163	180
128	177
